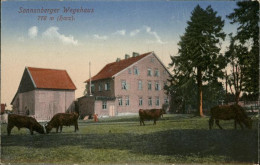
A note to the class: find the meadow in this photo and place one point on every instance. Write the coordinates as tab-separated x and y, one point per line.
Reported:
176	139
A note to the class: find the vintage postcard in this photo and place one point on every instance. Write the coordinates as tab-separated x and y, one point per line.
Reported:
129	82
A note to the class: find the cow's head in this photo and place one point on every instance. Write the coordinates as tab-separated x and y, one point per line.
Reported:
39	128
47	128
162	111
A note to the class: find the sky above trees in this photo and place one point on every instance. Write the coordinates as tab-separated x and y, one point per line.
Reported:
110	31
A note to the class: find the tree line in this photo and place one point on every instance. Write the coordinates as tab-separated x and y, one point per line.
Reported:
199	68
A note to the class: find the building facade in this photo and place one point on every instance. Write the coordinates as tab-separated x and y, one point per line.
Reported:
43	92
125	86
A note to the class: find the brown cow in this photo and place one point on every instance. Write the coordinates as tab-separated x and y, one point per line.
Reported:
228	112
153	114
23	122
62	119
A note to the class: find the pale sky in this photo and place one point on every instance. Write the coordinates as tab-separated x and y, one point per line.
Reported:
111	30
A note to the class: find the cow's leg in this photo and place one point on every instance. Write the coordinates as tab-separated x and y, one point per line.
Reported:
241	125
9	128
154	122
60	128
57	128
31	131
77	126
235	124
141	121
211	122
217	123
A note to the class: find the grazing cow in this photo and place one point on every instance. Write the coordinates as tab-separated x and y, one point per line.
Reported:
62	119
23	122
228	112
153	114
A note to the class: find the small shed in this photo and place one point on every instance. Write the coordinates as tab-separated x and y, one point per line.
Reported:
43	92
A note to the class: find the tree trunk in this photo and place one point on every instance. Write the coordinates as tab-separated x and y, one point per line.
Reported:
237	97
199	80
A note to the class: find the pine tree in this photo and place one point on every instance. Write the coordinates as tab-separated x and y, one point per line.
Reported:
198	56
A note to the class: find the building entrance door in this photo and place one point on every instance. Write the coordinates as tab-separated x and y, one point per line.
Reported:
111	110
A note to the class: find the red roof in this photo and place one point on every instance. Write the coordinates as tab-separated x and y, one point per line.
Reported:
113	68
51	78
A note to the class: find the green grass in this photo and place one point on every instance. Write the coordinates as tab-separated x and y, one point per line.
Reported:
120	140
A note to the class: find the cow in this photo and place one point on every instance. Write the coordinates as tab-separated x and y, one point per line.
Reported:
153	114
62	119
21	121
229	112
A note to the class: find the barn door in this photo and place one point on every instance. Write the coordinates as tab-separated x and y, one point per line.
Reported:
111	110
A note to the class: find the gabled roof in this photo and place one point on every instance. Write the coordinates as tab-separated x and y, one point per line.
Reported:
50	78
113	68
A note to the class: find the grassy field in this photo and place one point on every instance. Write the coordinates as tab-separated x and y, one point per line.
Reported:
176	139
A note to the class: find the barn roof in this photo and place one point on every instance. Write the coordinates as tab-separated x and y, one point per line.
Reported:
50	78
113	68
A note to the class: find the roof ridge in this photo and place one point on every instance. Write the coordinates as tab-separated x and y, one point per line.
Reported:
131	58
45	68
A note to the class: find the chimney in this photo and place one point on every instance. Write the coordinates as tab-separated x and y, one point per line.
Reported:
127	56
118	59
135	54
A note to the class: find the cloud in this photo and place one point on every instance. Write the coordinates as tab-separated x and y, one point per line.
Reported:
21	39
120	32
98	37
33	31
134	32
154	34
52	33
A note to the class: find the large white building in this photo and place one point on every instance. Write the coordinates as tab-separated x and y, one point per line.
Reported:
43	93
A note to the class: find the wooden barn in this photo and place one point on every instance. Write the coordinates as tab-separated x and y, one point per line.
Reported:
43	93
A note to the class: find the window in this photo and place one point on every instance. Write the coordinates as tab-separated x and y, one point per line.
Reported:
149	72
124	85
136	71
104	104
156	73
150	102
92	88
166	100
157	86
120	101
140	84
127	101
107	86
99	87
149	85
129	71
140	101
157	101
